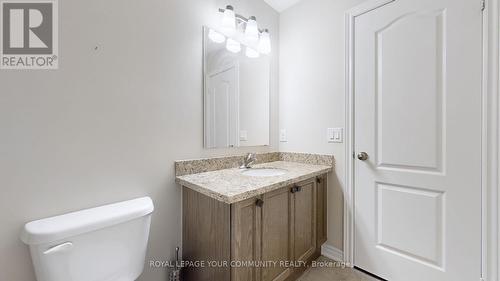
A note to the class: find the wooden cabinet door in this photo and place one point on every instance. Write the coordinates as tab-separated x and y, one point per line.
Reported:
321	201
304	220
206	236
276	236
246	239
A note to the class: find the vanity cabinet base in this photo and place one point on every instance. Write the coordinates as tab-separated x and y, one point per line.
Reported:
206	236
284	225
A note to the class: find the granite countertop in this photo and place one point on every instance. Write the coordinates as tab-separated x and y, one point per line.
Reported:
231	186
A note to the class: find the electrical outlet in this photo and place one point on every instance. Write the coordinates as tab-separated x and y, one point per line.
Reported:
243	135
283	137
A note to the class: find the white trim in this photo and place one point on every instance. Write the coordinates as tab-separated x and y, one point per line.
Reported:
350	16
490	195
332	252
491	140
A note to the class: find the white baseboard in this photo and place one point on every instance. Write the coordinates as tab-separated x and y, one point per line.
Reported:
332	252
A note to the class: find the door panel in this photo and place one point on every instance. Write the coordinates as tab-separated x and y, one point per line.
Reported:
246	239
221	108
321	215
304	227
417	96
409	222
276	213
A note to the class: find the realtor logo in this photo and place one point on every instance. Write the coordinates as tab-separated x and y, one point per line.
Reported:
29	35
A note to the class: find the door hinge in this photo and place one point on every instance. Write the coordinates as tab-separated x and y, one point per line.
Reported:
483	5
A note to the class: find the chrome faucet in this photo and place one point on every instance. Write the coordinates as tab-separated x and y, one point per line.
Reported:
248	161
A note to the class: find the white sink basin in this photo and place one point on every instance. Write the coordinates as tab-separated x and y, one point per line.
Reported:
264	172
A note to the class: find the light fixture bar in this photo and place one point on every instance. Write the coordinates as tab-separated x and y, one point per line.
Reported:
240	19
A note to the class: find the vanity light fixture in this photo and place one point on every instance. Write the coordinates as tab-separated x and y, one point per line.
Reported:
252	31
251	53
229	19
265	42
258	39
216	36
233	46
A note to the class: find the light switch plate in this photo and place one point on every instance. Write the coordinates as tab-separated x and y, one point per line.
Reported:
335	135
283	137
243	135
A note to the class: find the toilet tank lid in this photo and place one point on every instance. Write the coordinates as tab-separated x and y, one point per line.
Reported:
75	223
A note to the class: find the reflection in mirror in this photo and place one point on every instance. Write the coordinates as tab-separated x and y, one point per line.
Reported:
236	94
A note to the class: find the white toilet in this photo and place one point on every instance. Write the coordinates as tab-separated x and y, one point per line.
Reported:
106	243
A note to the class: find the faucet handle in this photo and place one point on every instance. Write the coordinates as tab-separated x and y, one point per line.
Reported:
250	157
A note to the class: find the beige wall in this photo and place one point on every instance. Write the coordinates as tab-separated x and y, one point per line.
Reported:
109	123
312	89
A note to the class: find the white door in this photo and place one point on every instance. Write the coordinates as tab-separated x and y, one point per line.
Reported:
222	108
417	86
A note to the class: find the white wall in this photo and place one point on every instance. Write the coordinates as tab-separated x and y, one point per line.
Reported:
312	89
254	100
108	125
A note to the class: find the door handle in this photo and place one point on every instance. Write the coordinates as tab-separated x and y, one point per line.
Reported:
59	248
363	156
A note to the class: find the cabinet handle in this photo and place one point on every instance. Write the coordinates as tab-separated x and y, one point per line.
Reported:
318	180
296	189
259	202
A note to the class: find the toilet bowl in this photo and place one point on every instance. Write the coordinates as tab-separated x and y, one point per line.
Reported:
106	243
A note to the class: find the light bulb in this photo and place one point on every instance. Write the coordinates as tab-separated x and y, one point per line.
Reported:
252	31
216	36
265	42
251	53
229	19
233	46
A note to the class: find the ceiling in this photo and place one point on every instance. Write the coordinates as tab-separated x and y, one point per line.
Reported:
281	5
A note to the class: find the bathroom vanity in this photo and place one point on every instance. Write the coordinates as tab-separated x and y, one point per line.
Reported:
263	223
273	215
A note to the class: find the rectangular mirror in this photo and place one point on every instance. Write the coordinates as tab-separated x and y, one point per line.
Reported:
236	94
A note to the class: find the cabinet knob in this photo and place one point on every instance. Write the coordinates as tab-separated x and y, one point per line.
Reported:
318	180
296	189
259	202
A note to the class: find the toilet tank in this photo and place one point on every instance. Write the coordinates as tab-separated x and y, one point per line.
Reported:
106	243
